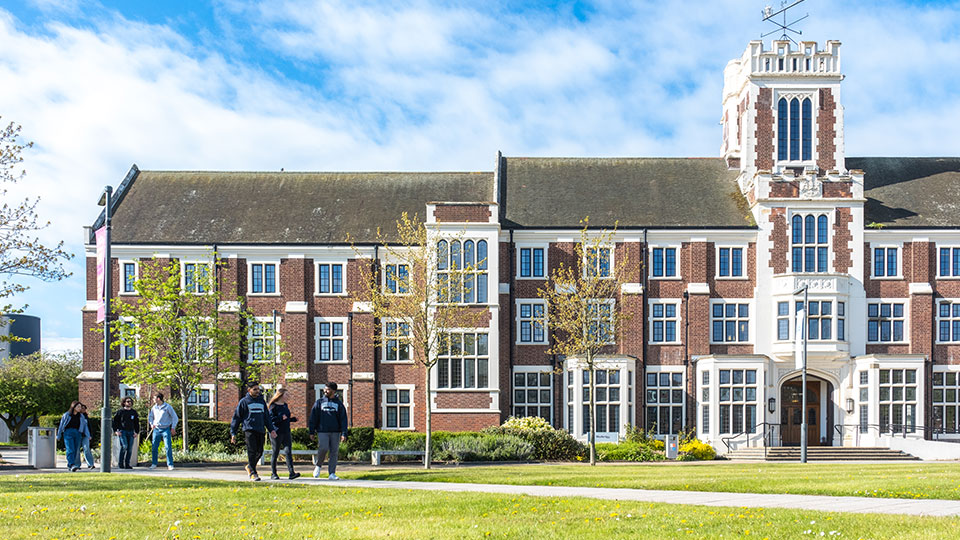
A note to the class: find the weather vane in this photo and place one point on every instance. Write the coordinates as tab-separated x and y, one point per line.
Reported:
784	27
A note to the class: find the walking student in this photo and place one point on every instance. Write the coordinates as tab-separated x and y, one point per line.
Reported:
126	424
252	416
87	453
162	420
73	426
280	414
328	424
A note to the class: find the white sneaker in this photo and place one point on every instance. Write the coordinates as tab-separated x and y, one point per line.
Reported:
316	472
333	477
169	467
152	467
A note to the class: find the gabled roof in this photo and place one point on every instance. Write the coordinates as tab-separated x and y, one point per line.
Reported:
910	192
195	207
637	192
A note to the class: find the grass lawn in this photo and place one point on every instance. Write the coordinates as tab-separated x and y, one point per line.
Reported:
893	480
99	506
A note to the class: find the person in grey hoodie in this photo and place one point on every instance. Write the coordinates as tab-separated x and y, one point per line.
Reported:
328	424
252	416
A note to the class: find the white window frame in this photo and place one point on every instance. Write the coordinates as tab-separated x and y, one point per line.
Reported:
383	277
250	337
343	278
834	316
945	370
790	318
744	274
546	250
886	247
905	319
750	318
384	406
183	275
408	339
612	260
938	318
342	389
123	276
611	323
276	277
520	320
476	271
671	370
890	401
317	337
211	407
539	371
678	248
814	107
123	348
135	387
677	303
951	247
573	402
803	213
717	386
491	384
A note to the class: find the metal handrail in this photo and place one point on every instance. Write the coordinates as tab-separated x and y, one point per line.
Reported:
768	428
893	429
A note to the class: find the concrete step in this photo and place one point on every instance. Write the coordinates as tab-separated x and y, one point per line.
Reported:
820	453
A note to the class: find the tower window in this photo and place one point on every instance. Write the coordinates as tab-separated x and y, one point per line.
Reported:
794	129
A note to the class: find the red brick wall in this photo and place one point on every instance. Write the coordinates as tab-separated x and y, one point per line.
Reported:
842	236
838	190
826	131
764	131
785	188
778	240
472	213
462	422
463	400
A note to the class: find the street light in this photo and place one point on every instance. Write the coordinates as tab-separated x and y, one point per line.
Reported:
105	416
802	328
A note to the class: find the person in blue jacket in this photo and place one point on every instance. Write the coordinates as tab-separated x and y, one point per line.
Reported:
328	424
73	427
253	417
280	414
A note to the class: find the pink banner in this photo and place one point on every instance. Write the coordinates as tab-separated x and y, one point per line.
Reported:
101	266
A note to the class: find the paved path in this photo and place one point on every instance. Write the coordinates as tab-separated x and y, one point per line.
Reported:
860	505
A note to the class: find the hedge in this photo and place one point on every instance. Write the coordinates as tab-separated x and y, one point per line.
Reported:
548	445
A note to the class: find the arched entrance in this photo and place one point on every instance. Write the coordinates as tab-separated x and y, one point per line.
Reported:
819	415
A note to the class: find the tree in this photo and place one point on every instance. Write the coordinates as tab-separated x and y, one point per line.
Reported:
21	252
174	333
35	384
415	302
582	312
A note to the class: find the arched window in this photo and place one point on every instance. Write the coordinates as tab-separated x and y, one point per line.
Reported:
469	278
782	130
442	255
794	129
822	229
462	271
797	229
807	129
809	247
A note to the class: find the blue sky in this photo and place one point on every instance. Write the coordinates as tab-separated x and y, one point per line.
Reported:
424	85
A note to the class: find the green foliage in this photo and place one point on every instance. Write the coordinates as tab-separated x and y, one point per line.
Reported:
696	450
628	451
36	384
644	437
530	423
548	445
489	447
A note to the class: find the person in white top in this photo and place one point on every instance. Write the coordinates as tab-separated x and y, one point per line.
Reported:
162	420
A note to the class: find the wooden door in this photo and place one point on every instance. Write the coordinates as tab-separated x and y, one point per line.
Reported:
791	413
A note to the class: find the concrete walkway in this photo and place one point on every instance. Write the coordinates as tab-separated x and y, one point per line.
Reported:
821	503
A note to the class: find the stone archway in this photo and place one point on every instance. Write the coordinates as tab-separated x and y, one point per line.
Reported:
819	411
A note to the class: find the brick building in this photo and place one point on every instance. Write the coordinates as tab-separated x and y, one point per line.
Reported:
721	245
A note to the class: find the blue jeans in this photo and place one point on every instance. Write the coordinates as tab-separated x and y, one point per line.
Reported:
87	453
126	448
163	433
71	439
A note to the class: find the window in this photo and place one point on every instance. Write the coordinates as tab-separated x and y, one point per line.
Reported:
129	277
202	399
946	389
948	321
398	407
884	321
607	400
532	262
532	321
396	278
664	262
330	339
533	393
705	402
738	400
128	352
197	348
397	344
794	129
809	242
950	262
129	391
665	402
196	277
730	262
898	400
263	278
329	278
885	262
731	323
783	321
597	261
261	341
820	320
864	401
341	393
601	323
462	271
463	360
663	323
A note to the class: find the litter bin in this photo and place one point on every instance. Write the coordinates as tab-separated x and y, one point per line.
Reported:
42	447
115	451
671	446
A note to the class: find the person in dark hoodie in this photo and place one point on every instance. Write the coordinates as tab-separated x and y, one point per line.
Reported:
253	417
328	424
126	424
280	414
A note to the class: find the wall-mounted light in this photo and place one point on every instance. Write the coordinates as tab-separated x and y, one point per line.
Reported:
849	405
772	405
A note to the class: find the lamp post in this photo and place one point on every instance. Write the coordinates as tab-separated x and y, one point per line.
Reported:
802	328
106	429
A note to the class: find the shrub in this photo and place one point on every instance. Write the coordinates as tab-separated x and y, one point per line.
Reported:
548	445
628	451
487	447
697	450
643	437
531	423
